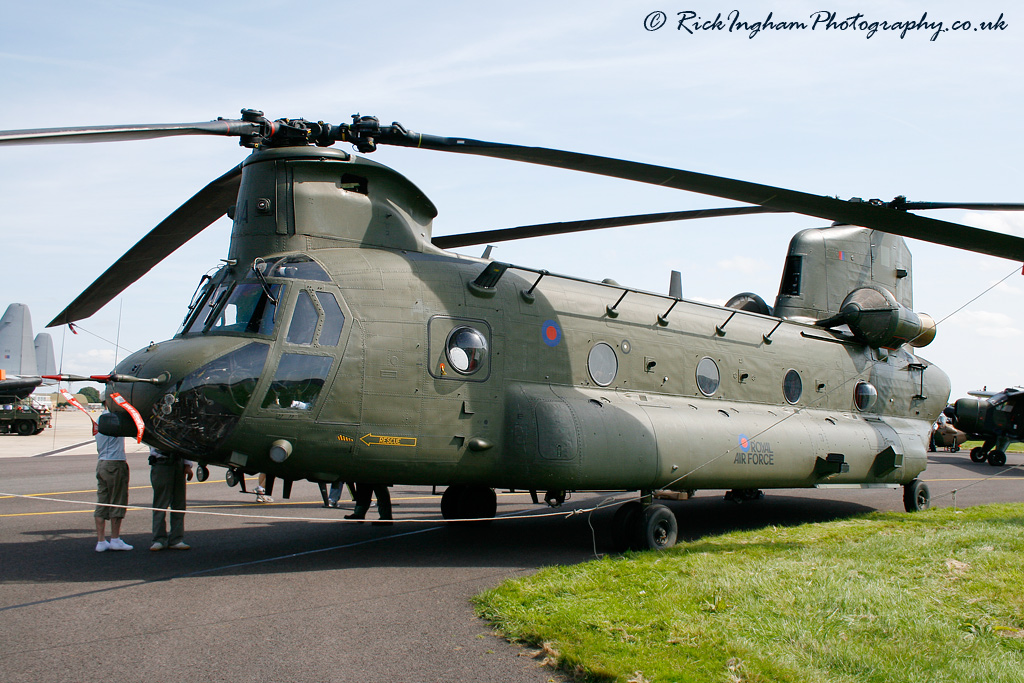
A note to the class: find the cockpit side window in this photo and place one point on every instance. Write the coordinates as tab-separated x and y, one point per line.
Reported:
304	320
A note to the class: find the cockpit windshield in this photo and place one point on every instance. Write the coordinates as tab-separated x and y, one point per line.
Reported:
222	305
246	307
250	308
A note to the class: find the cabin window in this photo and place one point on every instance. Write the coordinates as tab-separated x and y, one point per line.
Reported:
864	395
297	382
708	376
304	320
602	364
248	309
792	386
466	349
334	319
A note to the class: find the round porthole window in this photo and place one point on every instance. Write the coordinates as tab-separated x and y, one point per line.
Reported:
708	377
792	386
602	364
864	396
466	349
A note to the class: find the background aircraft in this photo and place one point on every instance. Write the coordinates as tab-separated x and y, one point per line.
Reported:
23	358
997	418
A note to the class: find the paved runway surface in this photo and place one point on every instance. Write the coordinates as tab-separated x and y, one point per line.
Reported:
269	596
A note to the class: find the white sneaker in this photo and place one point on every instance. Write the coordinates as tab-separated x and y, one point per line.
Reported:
259	490
118	544
101	546
181	545
157	545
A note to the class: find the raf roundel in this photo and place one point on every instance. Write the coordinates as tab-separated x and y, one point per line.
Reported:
551	333
744	443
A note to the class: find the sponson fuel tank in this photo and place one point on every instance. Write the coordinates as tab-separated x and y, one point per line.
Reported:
595	438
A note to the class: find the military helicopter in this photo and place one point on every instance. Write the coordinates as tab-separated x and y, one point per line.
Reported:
995	417
340	340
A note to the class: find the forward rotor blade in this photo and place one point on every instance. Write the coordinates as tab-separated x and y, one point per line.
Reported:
544	229
777	198
187	221
44	136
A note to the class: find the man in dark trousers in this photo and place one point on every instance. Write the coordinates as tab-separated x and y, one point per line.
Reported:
168	474
364	495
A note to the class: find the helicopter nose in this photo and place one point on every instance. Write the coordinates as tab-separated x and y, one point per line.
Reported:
211	383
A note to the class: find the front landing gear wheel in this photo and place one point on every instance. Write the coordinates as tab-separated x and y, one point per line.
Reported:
997	458
916	496
978	454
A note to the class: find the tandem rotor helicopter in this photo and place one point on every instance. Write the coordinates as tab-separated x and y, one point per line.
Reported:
340	340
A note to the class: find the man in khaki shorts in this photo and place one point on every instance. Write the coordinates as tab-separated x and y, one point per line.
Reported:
111	489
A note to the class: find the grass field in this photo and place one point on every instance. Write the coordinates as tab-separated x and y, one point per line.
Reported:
932	596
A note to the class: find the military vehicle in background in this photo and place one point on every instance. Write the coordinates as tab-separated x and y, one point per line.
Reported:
22	416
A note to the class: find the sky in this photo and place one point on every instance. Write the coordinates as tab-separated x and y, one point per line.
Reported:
929	114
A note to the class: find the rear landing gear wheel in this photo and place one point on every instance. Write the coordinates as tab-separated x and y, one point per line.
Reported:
916	496
636	527
660	528
626	525
997	458
978	454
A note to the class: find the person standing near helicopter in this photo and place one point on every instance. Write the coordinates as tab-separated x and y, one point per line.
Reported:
364	493
168	475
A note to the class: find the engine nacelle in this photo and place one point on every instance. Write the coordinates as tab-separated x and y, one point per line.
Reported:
875	317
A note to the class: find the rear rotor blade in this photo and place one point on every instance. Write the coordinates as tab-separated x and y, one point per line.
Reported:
43	136
969	206
544	229
780	199
187	221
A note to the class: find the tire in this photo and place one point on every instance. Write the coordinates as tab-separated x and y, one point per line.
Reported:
479	502
997	458
660	528
978	454
469	502
451	502
916	496
25	428
626	525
